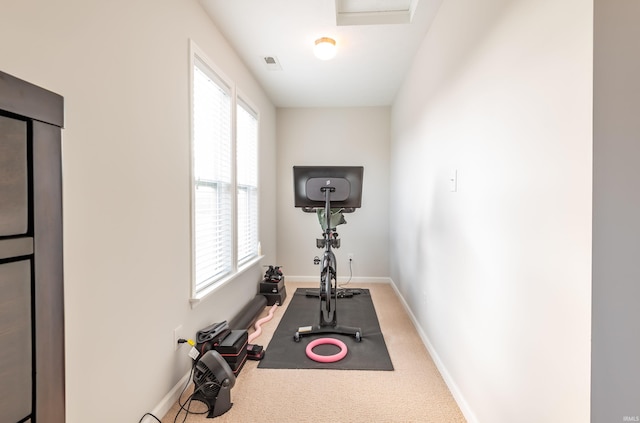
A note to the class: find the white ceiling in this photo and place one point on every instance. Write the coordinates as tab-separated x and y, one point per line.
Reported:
371	61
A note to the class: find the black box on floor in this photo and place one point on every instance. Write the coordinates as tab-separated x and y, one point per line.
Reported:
234	344
233	349
277	298
271	287
236	367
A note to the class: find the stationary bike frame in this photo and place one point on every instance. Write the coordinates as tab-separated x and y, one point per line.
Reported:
328	282
328	274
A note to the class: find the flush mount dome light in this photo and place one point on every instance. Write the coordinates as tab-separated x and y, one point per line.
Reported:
325	48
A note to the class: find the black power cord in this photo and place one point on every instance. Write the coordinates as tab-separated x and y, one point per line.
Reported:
182	405
350	274
149	414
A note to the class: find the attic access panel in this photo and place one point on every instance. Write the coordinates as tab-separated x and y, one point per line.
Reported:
374	12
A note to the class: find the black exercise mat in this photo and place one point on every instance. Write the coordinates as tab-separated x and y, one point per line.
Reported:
358	311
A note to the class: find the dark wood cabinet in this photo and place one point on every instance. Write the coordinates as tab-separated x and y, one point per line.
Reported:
31	274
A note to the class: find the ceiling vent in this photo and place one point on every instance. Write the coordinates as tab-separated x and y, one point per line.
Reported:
272	63
374	12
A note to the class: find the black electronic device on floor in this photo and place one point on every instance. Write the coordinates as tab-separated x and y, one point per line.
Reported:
255	352
213	380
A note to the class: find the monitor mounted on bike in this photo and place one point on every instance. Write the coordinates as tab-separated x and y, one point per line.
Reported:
311	182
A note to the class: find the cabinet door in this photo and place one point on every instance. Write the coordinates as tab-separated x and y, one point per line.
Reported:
31	277
15	341
13	177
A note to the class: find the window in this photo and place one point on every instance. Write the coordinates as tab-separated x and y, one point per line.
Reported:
225	178
247	186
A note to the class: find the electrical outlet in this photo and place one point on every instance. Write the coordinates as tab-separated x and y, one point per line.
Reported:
177	334
350	256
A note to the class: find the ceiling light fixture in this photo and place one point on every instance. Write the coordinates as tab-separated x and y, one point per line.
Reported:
325	48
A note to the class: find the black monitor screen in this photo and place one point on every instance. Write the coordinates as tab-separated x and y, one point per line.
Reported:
346	182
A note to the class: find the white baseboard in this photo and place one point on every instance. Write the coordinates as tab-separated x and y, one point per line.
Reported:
341	279
451	384
167	402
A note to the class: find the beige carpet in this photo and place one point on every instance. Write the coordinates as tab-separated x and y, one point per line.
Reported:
413	392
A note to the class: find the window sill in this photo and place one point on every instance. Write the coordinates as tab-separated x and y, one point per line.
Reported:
197	298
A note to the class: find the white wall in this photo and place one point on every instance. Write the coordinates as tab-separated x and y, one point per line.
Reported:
123	69
497	274
340	136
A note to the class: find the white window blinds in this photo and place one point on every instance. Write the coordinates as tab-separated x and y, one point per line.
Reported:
225	179
212	170
247	181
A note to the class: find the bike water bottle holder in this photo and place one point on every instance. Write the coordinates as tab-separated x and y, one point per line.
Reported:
321	243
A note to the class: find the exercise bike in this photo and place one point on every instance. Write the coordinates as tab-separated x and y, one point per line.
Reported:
337	189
